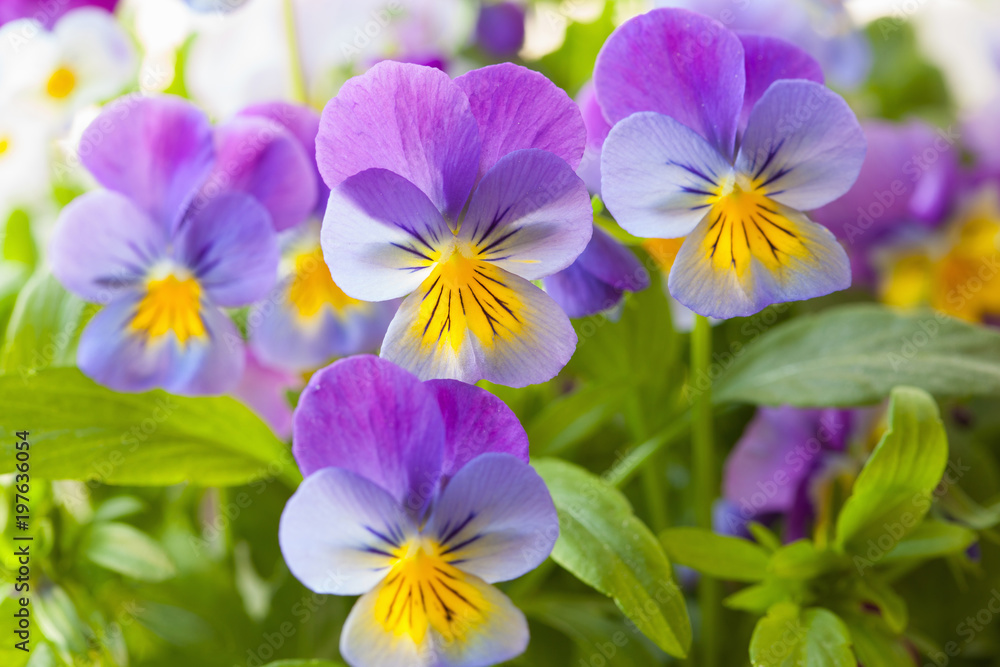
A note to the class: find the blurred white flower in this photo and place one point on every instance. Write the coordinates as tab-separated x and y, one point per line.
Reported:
243	57
86	58
24	159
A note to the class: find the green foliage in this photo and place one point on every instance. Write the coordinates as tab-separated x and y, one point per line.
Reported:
893	492
792	637
603	544
854	355
80	430
43	327
715	555
572	65
121	548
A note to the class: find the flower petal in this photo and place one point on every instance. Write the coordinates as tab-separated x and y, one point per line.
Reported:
678	63
803	145
730	267
476	422
261	158
114	355
498	327
102	243
303	123
371	417
495	519
531	215
340	531
518	108
658	175
497	633
598	278
280	335
380	235
173	136
769	59
409	119
230	246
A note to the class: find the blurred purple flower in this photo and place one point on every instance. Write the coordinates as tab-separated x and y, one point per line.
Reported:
774	465
309	320
500	28
458	193
683	93
264	389
184	227
418	496
906	187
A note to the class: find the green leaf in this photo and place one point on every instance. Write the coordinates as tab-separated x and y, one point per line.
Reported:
958	504
118	507
80	430
931	539
802	560
874	644
791	637
43	327
573	64
854	355
571	418
716	555
59	621
127	550
603	544
758	598
893	491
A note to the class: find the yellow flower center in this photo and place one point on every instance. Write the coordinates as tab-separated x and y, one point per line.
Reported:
466	294
170	304
312	287
61	83
4	144
746	224
422	591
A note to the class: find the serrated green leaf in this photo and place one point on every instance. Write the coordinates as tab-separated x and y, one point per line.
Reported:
893	491
757	599
791	637
855	355
80	430
874	643
603	544
127	550
873	591
716	555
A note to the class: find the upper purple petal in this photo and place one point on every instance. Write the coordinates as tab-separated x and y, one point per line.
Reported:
803	145
476	422
261	158
45	11
409	119
677	63
769	59
303	123
155	150
518	108
230	247
102	244
369	416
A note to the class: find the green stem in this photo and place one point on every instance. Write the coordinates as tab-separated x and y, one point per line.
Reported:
704	476
292	36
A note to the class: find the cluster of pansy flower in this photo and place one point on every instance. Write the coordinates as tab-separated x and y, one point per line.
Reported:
456	196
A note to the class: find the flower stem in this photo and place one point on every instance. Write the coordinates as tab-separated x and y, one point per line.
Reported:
704	476
292	37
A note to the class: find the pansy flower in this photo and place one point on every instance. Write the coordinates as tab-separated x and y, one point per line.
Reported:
683	93
417	497
458	194
308	320
174	237
47	12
